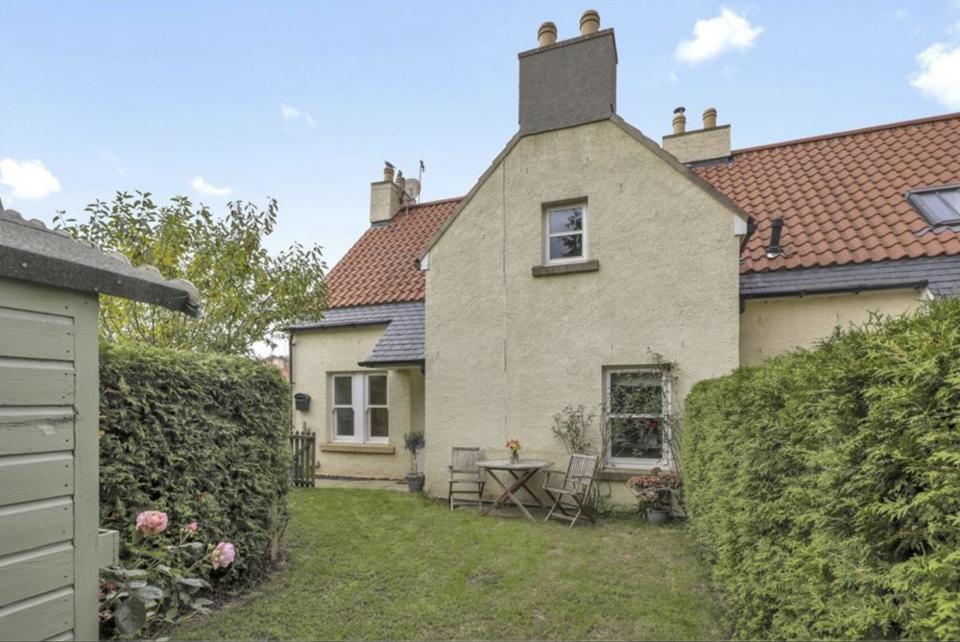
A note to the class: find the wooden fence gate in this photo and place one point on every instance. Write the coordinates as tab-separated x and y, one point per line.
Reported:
304	447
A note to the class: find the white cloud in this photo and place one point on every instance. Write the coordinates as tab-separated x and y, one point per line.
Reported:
291	113
939	74
200	184
713	36
30	179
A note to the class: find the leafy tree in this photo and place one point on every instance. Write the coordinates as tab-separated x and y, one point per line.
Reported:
247	295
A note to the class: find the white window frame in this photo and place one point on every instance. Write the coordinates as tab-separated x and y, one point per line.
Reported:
547	235
361	409
640	462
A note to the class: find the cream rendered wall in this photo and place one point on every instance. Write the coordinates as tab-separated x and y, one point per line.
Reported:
319	353
769	327
506	350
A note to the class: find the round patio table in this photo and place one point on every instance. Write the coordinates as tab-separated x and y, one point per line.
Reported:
521	471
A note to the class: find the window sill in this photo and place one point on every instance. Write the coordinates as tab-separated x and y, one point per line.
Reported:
623	473
359	449
566	268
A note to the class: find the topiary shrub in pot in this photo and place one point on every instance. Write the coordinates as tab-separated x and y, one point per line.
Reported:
413	442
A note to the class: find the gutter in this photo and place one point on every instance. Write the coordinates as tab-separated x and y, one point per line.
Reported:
909	285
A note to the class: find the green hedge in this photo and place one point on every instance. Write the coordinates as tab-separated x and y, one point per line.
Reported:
200	436
824	485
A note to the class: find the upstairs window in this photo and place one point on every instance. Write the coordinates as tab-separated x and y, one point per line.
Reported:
565	234
939	205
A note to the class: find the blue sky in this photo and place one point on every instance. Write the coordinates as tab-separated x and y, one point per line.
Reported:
304	101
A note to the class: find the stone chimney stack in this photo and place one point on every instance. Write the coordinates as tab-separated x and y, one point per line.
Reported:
570	82
384	197
710	143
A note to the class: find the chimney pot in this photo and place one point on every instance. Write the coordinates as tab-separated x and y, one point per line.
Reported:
589	22
388	173
679	120
547	34
709	117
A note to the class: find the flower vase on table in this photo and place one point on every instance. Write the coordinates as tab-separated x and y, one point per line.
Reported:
514	446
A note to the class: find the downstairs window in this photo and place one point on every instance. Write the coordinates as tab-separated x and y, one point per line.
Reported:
636	406
360	413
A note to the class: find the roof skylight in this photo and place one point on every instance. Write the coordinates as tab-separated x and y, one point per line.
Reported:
939	205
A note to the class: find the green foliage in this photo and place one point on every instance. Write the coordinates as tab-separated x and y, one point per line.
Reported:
824	485
573	427
413	442
203	437
164	583
247	294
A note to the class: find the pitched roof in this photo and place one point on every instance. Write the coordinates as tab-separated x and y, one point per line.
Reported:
381	266
841	196
401	342
29	251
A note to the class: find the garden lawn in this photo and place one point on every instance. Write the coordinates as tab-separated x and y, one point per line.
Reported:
385	565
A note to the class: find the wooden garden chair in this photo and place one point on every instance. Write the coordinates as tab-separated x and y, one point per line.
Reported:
572	495
466	477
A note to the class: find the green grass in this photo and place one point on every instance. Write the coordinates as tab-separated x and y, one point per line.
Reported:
386	565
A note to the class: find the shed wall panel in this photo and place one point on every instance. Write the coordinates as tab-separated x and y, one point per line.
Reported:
27	526
26	382
38	617
35	335
35	430
35	572
25	478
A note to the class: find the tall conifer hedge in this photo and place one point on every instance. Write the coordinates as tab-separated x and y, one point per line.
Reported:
824	485
201	436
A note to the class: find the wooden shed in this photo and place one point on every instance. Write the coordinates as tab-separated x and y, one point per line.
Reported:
50	548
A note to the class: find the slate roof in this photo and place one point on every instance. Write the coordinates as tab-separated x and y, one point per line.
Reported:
842	195
401	342
940	274
29	251
381	266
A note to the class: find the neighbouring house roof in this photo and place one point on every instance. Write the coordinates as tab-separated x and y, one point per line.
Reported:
29	251
841	196
381	266
401	343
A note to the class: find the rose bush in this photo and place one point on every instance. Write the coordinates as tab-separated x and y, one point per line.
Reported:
168	581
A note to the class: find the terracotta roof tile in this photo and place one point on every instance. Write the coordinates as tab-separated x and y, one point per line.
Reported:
841	196
380	267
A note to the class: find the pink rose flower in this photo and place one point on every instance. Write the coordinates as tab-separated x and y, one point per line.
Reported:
223	555
192	527
151	522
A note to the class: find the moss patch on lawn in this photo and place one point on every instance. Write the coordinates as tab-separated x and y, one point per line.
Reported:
386	565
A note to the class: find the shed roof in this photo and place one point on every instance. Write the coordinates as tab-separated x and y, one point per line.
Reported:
30	251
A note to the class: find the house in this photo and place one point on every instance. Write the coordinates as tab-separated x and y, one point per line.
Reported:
589	261
50	547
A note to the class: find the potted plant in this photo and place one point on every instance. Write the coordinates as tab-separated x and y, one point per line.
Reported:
654	493
413	441
513	445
